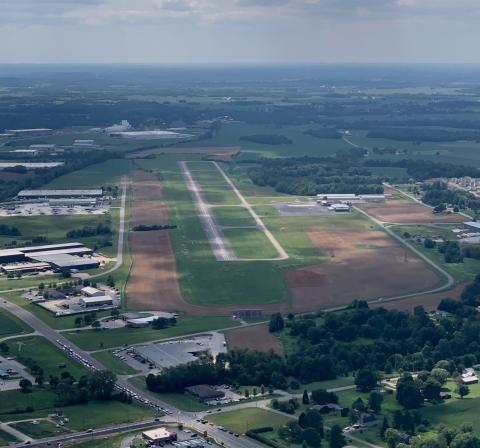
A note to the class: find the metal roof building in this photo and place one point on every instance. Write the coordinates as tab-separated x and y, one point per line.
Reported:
31	194
67	261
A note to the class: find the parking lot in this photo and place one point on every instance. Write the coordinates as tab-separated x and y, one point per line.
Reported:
16	372
44	208
309	208
152	358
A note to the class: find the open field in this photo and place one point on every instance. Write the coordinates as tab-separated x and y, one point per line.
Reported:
100	174
405	211
243	420
233	217
6	438
40	351
256	337
218	153
113	363
367	258
10	325
99	339
40	430
250	244
153	282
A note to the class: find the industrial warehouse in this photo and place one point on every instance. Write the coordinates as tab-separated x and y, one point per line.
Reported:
54	257
57	202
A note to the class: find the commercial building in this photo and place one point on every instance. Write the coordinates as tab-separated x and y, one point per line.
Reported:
25	267
96	302
27	152
43	147
347	197
46	194
84	144
38	132
204	392
339	208
159	435
91	292
472	225
62	261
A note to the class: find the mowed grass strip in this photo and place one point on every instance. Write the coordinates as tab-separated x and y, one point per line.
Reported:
113	363
220	195
250	243
10	325
233	217
39	350
98	339
243	420
40	430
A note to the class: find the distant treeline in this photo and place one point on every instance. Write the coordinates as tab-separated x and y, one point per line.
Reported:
324	133
149	228
426	169
87	231
310	176
267	139
423	134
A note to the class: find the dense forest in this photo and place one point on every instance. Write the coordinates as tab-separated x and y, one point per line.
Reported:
309	176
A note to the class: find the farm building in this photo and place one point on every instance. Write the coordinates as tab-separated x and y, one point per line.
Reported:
46	194
205	392
95	302
159	435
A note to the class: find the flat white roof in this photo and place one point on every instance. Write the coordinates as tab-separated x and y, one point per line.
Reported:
96	299
475	224
60	193
28	130
89	290
157	434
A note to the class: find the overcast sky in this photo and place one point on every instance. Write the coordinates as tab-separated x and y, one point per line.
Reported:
179	31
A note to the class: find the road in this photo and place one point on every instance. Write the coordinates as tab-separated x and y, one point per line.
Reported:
282	255
57	339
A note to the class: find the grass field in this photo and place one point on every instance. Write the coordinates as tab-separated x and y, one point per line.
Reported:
40	430
233	217
250	243
113	363
10	325
93	339
98	175
46	355
243	420
6	438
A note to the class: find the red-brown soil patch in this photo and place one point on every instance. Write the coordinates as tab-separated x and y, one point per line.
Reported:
365	265
147	206
217	153
407	212
256	337
153	282
428	301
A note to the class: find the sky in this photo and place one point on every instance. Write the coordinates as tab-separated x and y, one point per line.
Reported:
239	31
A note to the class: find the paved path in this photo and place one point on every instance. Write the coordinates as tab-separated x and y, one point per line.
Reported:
282	255
13	432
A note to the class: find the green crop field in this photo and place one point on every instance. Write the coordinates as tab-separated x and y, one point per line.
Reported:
250	243
37	349
98	339
233	217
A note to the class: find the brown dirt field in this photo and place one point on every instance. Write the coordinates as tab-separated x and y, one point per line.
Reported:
365	265
407	212
256	337
153	283
428	301
219	153
147	207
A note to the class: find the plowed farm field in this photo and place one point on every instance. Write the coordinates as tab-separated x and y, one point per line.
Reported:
364	264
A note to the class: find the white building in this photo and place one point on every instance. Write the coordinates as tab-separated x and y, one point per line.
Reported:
120	127
91	292
96	302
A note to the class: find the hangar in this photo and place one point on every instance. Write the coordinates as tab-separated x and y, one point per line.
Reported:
47	194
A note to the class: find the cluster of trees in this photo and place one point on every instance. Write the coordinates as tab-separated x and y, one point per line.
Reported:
324	133
453	252
424	134
87	231
149	228
309	176
267	139
425	169
458	437
162	322
6	230
438	194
